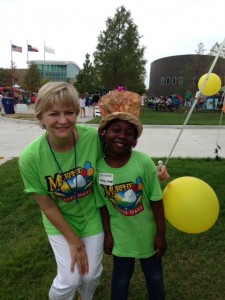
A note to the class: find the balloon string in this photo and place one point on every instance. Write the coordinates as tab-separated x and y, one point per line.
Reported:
197	96
221	116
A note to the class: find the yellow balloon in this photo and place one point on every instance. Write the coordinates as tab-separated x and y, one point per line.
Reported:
190	204
213	84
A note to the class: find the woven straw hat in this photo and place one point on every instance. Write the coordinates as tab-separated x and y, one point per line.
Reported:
123	105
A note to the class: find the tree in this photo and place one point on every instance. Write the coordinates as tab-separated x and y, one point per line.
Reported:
5	77
86	77
32	78
201	49
119	59
214	50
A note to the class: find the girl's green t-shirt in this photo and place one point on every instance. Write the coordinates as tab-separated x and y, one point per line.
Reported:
127	192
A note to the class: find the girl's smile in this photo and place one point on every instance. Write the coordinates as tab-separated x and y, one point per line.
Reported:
120	137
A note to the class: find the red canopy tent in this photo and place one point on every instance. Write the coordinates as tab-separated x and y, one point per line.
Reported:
10	89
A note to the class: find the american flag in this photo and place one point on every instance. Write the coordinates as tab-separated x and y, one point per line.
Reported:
16	48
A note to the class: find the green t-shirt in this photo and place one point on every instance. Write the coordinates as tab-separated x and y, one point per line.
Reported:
127	192
188	96
41	175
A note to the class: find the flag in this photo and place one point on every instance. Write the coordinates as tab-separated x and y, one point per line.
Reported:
32	49
49	50
16	48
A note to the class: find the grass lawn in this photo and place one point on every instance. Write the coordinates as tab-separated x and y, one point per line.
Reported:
149	116
194	265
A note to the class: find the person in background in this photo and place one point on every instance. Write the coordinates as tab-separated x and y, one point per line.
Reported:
1	104
95	99
87	104
188	98
169	104
176	103
58	170
33	98
130	198
82	106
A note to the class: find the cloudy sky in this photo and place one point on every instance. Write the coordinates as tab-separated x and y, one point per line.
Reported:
72	27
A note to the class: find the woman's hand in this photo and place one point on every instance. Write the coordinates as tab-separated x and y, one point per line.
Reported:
79	257
77	248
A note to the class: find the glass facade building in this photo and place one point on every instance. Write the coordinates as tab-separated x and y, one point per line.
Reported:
57	70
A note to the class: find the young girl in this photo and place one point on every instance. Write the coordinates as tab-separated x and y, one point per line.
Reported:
129	196
58	169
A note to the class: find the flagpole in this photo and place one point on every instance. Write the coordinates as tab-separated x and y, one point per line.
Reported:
11	55
44	59
27	53
11	69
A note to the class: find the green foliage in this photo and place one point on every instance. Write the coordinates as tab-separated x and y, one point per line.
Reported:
5	77
32	78
119	59
194	266
214	50
44	81
86	78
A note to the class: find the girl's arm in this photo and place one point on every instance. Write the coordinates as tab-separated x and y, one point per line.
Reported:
160	238
108	242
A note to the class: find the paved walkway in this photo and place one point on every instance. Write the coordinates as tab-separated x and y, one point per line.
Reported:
156	141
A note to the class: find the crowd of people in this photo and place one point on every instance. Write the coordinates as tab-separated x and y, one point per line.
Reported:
176	102
167	103
19	98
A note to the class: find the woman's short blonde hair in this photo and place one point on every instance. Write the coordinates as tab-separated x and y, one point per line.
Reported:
56	93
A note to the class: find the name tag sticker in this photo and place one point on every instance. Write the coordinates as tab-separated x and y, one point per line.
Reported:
106	178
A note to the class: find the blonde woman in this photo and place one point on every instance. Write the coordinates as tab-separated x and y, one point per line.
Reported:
58	170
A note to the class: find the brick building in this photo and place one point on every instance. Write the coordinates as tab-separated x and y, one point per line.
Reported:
175	74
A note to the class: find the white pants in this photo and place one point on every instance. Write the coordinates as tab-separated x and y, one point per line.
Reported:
87	113
67	283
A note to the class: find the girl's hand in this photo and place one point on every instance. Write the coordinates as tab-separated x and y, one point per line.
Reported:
108	244
162	173
160	244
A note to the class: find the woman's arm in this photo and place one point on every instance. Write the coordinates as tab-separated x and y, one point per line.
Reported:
54	215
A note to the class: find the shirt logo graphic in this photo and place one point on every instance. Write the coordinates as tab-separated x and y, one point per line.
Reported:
126	197
74	184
